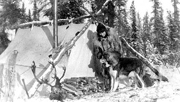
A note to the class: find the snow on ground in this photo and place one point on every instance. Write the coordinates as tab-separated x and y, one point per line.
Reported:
159	92
163	92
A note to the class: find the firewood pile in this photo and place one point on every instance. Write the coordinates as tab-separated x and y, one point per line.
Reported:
80	86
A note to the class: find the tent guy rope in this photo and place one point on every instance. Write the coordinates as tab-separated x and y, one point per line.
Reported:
68	46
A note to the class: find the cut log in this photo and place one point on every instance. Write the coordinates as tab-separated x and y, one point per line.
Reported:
144	60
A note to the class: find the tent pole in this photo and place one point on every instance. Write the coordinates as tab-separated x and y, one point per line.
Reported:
55	25
25	88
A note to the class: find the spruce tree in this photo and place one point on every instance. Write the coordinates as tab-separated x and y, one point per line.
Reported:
176	11
23	14
11	13
139	23
66	9
139	33
159	34
121	22
35	11
10	17
146	34
134	29
29	16
174	27
173	34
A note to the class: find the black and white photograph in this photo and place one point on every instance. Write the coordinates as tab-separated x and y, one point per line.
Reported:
89	50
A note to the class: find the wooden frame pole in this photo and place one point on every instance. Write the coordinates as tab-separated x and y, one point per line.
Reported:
55	25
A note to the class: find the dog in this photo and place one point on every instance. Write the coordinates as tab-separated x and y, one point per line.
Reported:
122	66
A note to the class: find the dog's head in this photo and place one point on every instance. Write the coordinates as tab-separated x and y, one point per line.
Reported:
104	62
110	58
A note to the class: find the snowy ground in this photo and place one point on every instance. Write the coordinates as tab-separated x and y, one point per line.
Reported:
160	92
163	92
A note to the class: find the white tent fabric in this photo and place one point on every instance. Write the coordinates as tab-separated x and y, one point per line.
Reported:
36	44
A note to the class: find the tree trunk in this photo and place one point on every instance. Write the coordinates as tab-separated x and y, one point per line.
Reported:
144	60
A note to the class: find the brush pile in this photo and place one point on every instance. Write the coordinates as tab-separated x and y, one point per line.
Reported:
77	87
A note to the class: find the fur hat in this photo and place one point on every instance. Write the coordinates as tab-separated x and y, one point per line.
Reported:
100	28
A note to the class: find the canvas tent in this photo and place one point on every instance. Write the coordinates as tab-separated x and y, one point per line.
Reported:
36	44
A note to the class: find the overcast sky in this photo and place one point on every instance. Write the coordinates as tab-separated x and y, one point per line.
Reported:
142	6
